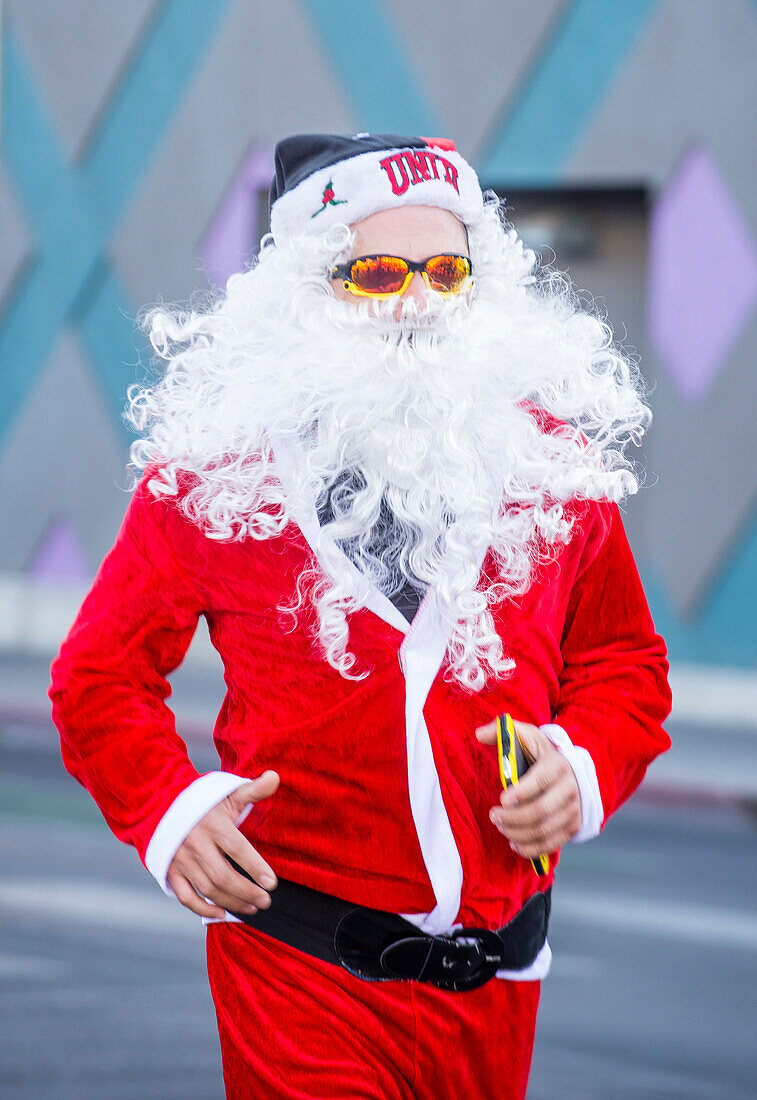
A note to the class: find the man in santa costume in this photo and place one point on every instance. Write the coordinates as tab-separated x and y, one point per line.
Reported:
385	466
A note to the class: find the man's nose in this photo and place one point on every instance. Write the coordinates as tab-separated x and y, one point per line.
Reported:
416	288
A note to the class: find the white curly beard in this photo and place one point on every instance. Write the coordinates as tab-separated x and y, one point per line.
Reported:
415	428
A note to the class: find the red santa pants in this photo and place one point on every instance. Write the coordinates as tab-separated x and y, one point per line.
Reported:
293	1026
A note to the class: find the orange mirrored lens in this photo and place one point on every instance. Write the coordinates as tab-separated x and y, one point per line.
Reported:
447	273
379	274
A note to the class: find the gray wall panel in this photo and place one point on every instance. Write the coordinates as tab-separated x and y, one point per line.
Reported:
704	455
61	458
472	58
266	75
692	75
76	49
15	240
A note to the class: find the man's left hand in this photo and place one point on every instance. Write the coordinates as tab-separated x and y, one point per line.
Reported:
543	810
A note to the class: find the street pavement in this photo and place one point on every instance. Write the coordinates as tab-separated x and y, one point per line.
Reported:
654	933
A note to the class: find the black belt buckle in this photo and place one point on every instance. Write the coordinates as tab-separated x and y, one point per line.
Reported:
384	947
464	960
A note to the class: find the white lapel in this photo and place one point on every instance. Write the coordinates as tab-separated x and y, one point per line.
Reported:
420	656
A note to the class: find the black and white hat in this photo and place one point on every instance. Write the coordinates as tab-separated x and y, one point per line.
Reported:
322	179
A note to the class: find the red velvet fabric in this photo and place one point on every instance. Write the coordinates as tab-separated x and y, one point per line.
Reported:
337	1037
587	657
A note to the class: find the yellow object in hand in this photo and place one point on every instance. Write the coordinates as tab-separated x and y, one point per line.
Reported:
513	763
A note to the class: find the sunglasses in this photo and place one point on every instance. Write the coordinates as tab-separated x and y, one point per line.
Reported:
385	276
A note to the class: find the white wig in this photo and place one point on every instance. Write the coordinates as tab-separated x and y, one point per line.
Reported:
433	414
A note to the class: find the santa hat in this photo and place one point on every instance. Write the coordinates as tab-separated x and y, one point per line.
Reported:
322	179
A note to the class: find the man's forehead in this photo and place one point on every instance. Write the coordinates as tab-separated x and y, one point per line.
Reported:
412	228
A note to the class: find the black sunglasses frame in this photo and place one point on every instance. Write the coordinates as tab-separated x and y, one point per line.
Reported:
344	271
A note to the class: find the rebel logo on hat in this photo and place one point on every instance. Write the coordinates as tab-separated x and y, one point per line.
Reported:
328	199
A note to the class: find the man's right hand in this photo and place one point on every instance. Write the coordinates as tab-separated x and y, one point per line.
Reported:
200	869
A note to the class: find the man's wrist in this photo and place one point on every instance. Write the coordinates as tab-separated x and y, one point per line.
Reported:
186	810
582	765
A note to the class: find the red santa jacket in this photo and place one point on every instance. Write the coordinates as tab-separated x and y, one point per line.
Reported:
347	819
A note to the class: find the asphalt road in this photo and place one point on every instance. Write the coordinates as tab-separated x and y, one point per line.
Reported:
104	995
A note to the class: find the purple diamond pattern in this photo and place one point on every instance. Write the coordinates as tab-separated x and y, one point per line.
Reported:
703	274
234	233
61	555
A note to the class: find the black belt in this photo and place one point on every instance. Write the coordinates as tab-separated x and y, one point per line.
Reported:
378	946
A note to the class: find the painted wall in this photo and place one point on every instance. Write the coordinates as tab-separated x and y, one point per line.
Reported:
136	138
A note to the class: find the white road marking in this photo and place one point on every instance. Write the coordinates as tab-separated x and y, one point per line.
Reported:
706	695
670	920
98	903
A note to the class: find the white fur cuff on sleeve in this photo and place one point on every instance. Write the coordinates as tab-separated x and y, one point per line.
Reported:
182	816
592	810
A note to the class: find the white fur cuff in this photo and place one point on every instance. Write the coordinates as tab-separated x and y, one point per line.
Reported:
182	816
592	810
